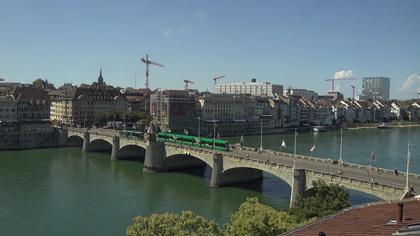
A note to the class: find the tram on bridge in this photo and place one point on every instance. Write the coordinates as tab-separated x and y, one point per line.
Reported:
194	141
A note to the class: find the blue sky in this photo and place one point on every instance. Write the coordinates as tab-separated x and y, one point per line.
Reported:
294	43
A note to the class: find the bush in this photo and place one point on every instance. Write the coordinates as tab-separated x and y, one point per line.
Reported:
255	219
170	224
324	200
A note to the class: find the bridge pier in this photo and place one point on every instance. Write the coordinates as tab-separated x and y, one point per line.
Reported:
115	147
154	160
216	172
298	185
86	141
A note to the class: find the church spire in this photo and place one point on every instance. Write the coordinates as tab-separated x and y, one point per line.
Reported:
101	83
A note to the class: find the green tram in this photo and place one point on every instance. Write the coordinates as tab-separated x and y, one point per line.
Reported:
132	133
194	141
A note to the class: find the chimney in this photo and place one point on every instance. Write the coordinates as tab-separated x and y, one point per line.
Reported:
400	212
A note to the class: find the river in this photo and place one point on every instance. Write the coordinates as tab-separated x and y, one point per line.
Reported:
59	191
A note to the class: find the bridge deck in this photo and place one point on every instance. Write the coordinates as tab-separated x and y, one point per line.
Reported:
357	172
352	171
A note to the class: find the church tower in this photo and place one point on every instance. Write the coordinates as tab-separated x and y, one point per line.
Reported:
101	83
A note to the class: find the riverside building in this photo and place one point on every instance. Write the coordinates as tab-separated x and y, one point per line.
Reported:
8	110
236	114
85	106
174	110
376	88
252	88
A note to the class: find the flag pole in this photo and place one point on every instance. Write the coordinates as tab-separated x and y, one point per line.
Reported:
294	152
408	166
341	148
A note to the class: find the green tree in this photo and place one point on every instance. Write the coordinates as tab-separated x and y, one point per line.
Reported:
255	219
39	83
170	224
323	200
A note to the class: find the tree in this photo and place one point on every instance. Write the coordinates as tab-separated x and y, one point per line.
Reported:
170	224
40	83
254	219
324	200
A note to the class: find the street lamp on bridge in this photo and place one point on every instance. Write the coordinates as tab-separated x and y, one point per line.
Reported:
199	123
262	117
341	161
214	131
294	150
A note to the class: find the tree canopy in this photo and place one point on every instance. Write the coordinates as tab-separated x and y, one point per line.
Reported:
256	219
170	224
323	200
251	219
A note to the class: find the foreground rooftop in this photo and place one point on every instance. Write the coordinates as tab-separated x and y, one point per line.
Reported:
370	219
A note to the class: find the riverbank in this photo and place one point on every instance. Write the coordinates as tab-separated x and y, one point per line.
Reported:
375	126
31	135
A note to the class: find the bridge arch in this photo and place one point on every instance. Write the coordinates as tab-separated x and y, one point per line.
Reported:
100	145
236	175
75	140
176	160
373	189
132	151
284	173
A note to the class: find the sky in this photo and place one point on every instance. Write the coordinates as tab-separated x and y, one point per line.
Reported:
293	43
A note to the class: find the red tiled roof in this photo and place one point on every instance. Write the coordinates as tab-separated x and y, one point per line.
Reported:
370	219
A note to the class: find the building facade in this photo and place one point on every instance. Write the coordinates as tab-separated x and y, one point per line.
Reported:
138	99
252	88
376	88
86	106
174	110
8	110
33	104
308	94
235	114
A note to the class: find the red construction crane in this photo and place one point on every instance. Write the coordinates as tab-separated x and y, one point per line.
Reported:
186	83
147	62
334	79
215	80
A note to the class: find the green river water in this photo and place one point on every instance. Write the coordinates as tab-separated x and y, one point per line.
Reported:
59	191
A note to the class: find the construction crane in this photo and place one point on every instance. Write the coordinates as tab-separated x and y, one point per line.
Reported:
353	87
148	62
215	81
186	83
334	79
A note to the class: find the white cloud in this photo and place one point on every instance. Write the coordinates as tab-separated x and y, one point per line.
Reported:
343	74
412	83
168	32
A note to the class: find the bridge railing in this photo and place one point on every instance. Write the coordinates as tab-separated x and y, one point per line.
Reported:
330	161
353	180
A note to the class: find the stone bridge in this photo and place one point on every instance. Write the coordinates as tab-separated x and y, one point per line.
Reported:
231	167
